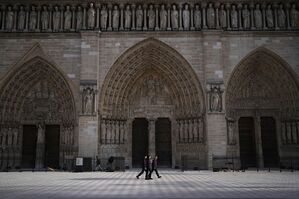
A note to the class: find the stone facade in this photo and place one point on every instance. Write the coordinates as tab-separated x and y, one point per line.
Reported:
99	65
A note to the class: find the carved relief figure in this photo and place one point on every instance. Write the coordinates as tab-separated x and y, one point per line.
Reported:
115	18
186	17
234	17
222	17
9	18
21	18
269	17
139	18
258	17
197	17
163	18
104	17
67	18
56	19
246	17
230	133
79	17
45	18
128	15
281	17
91	16
211	16
151	17
215	100
174	18
294	16
88	101
33	18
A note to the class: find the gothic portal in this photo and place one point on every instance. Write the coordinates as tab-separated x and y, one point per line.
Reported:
201	84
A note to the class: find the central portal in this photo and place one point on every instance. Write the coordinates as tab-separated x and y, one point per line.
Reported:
139	141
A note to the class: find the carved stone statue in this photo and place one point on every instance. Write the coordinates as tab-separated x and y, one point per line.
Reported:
115	18
246	17
56	19
211	16
197	17
151	17
215	100
32	18
281	17
230	133
139	18
234	17
269	17
91	16
9	18
104	17
88	101
174	18
294	14
79	18
258	21
45	18
128	18
21	18
67	18
186	17
222	17
163	17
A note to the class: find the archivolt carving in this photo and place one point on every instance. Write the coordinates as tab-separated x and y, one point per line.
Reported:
263	81
155	56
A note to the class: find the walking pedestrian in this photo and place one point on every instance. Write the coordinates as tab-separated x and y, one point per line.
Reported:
155	166
149	168
144	168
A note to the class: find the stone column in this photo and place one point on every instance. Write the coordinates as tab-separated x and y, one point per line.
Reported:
204	16
109	17
61	18
217	4
98	6
4	147
84	16
15	9
157	17
180	16
38	25
133	6
228	16
168	17
128	135
27	8
73	18
192	16
287	11
151	137
252	25
240	16
50	18
3	19
40	147
275	6
264	6
121	6
144	17
258	141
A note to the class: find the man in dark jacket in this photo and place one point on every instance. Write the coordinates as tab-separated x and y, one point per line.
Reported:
155	166
149	168
144	168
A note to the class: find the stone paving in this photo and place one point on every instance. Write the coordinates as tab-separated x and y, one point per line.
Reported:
173	184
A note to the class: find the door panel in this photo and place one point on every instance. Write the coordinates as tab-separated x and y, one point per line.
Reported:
139	141
29	146
52	146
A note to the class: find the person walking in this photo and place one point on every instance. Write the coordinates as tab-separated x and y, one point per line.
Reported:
149	168
144	168
155	166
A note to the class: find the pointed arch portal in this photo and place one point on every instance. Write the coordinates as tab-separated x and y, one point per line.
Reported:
37	116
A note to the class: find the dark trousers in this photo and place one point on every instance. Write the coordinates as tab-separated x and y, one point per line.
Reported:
142	171
156	170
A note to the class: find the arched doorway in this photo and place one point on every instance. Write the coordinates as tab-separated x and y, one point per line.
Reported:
151	80
37	116
261	94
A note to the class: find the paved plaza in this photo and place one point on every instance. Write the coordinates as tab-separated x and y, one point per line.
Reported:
173	184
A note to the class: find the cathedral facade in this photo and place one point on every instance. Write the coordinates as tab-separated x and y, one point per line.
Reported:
202	84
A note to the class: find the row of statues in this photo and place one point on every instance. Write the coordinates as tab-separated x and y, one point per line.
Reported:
148	17
290	132
113	131
190	130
